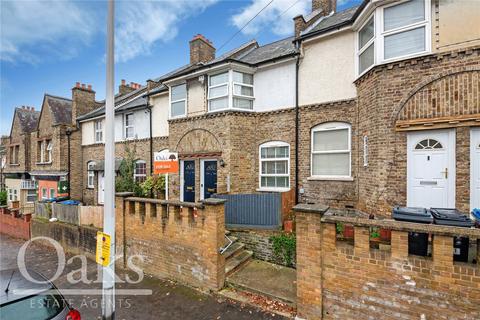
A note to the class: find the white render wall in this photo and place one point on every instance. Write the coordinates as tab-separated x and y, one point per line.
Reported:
141	126
160	115
274	87
327	69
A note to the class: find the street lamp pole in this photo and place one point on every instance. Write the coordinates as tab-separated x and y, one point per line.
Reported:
108	294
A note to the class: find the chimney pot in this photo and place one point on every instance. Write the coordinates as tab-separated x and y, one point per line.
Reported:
89	87
123	82
83	85
77	84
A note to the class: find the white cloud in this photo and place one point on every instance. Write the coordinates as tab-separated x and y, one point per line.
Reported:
277	17
141	24
33	29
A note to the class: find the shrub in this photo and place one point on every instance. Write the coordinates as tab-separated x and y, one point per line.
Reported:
153	185
3	198
284	247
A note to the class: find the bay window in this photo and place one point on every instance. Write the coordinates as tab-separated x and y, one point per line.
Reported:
398	30
98	131
178	101
274	166
331	151
230	90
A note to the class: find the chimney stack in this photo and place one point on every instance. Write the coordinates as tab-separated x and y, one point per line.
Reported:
125	88
320	8
201	49
83	100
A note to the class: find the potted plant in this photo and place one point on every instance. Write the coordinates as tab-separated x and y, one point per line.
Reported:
345	231
374	235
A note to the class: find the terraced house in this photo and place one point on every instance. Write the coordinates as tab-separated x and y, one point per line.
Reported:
21	190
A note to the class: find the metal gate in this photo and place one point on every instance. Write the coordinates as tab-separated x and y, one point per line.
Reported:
257	210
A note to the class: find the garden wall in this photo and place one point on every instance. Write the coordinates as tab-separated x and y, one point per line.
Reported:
17	227
178	240
342	280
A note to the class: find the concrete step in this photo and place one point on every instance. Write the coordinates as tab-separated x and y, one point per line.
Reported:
234	239
238	261
227	232
233	250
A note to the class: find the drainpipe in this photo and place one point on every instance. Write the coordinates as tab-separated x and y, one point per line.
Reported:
297	129
149	107
68	133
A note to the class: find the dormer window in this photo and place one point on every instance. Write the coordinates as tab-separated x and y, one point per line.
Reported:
392	32
230	90
98	131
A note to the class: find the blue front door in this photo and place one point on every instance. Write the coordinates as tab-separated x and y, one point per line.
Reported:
189	181
210	178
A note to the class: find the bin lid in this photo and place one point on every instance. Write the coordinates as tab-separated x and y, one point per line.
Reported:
412	214
451	217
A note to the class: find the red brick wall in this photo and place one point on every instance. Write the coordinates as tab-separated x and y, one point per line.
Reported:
15	227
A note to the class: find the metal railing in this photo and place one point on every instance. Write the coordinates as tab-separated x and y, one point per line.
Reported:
28	184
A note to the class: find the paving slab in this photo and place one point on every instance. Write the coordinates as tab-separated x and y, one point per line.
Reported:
272	280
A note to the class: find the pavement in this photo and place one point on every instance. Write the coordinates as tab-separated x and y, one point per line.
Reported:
267	279
168	300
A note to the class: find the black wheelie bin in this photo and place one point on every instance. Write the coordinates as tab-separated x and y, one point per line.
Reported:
417	242
453	217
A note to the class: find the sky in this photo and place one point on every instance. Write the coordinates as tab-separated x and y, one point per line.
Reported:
47	46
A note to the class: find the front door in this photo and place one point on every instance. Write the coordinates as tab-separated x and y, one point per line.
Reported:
208	180
101	187
188	173
431	169
475	168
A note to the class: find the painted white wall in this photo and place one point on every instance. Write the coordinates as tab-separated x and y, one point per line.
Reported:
160	109
274	87
13	184
196	98
88	136
327	69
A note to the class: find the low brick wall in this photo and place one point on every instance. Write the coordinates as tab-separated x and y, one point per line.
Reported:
178	240
338	280
74	239
258	241
13	226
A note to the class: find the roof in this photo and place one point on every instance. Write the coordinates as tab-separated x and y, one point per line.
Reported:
20	287
60	108
28	119
137	101
330	22
100	164
249	53
52	173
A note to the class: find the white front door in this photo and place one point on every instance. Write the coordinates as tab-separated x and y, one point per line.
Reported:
101	187
431	169
475	168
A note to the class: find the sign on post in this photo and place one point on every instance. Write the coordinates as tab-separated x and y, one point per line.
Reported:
165	162
102	256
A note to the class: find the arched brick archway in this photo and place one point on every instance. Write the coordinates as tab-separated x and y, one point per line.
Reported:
198	141
444	100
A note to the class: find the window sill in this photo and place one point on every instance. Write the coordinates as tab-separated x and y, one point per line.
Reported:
43	163
330	178
14	164
273	189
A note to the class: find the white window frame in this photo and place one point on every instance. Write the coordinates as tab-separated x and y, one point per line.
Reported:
10	194
44	193
50	194
231	91
49	151
42	151
380	34
29	194
98	130
260	160
179	100
332	126
137	175
129	126
365	151
90	175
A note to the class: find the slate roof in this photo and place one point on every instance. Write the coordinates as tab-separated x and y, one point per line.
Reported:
327	23
28	119
119	100
60	108
249	53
